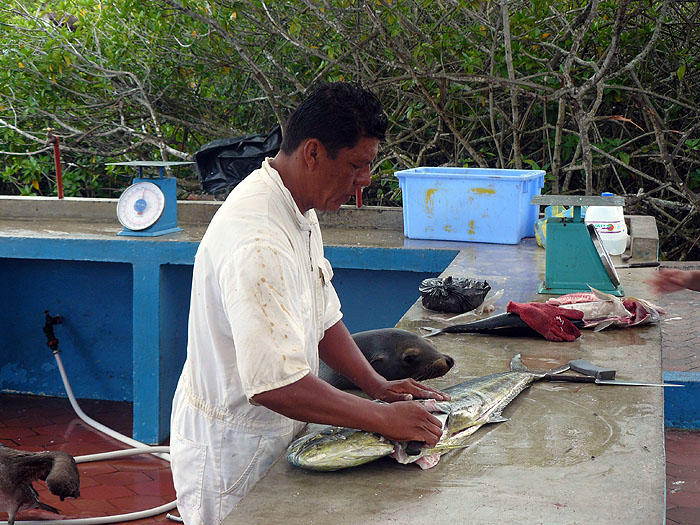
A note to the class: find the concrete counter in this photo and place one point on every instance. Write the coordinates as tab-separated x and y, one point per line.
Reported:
570	453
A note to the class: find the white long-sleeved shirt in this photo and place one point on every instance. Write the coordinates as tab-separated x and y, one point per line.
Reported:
261	301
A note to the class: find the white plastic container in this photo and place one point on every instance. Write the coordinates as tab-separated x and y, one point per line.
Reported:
610	223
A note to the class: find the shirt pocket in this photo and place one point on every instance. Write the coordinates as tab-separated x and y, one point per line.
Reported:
188	459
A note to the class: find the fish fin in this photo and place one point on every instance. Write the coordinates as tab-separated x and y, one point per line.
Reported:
517	365
461	317
604	325
602	295
431	331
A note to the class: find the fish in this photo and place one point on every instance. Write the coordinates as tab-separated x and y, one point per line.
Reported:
473	404
334	448
601	310
506	324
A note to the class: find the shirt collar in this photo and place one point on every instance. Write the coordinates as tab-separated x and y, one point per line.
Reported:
306	220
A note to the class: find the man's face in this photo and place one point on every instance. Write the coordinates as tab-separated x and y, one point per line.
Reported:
336	180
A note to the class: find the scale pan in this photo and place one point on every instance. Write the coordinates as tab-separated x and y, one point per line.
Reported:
604	255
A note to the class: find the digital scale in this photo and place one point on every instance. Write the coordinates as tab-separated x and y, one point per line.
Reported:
576	258
148	207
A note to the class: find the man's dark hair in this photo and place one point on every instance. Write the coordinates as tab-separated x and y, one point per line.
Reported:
338	114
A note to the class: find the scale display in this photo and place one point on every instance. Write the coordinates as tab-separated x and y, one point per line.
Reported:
148	207
140	206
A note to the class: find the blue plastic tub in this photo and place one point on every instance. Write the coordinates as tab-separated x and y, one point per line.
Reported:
469	204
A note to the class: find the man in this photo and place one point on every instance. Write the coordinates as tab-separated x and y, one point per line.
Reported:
263	310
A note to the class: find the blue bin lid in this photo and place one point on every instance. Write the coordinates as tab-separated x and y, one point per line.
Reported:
470	173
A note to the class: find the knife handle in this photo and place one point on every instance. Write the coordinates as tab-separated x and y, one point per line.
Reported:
569	378
413	448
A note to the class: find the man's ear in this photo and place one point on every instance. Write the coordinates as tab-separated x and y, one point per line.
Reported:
311	151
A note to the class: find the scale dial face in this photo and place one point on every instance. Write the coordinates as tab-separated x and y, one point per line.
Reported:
140	206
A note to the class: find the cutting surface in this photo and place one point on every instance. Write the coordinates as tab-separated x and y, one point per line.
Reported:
569	453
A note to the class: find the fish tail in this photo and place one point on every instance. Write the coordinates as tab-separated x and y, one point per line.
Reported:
431	331
517	365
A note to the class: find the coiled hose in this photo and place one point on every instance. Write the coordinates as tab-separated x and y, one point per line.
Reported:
137	448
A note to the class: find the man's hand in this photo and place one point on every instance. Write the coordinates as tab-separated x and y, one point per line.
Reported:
672	280
315	401
409	421
406	390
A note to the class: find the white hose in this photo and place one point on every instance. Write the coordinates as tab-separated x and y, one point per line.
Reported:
94	424
121	453
138	448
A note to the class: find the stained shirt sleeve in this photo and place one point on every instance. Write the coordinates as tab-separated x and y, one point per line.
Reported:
264	304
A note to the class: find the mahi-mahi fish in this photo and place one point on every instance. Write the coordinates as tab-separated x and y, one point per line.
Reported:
474	403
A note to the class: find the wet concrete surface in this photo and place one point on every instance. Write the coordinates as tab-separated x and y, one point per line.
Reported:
568	453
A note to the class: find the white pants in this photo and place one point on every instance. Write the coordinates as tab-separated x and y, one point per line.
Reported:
213	465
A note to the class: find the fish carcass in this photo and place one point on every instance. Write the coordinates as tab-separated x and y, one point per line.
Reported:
601	310
474	403
506	324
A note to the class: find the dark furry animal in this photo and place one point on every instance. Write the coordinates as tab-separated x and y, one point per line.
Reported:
395	354
19	469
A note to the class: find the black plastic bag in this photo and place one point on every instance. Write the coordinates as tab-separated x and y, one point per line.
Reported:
223	163
453	295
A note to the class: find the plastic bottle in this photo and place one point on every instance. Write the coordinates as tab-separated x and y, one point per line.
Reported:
610	223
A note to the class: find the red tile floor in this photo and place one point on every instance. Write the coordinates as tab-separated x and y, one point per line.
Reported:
107	488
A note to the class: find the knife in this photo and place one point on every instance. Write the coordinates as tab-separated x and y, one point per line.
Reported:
590	379
650	264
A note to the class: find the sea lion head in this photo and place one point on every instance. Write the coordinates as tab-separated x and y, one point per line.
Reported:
398	354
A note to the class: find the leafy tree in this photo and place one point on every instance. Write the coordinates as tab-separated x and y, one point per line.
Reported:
602	94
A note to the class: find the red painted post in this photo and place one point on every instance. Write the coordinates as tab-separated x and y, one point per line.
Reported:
57	159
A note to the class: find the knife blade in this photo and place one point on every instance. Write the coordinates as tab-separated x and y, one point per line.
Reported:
565	378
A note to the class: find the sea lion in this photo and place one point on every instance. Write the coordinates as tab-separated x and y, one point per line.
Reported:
395	354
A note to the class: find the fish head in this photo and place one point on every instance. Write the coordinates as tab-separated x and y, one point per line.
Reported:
334	448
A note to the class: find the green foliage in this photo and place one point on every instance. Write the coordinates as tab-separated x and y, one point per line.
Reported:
134	79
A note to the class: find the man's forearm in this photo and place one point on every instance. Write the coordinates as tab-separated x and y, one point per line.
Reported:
314	401
339	351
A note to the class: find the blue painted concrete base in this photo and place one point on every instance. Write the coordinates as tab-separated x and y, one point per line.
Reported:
125	303
682	405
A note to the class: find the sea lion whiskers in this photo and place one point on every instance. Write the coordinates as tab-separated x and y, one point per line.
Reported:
436	369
